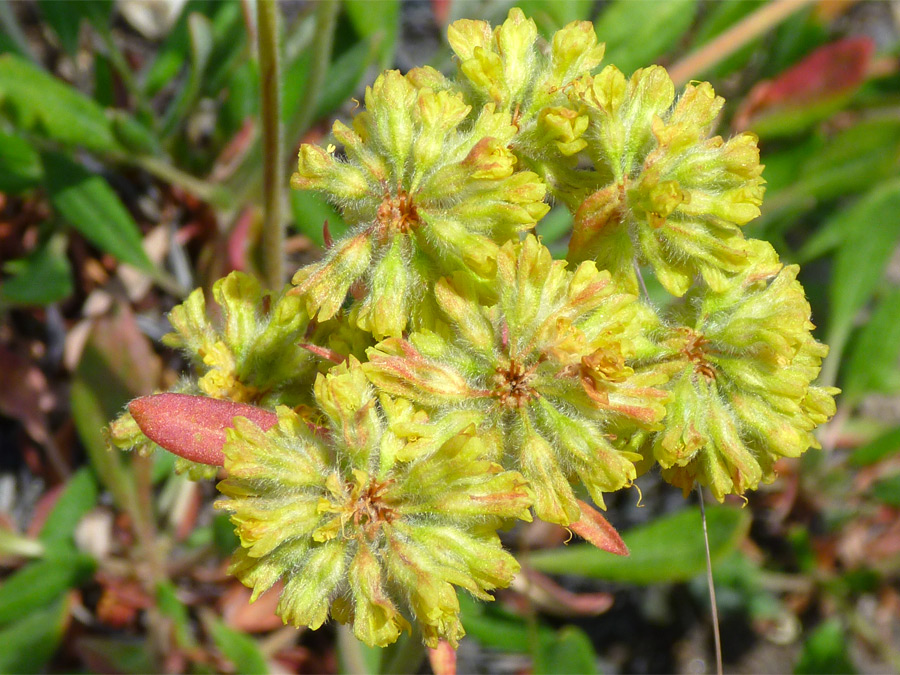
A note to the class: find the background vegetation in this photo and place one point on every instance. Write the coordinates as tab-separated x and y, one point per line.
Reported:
131	170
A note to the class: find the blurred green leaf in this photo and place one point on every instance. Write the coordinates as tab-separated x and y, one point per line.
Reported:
223	534
825	651
171	606
497	628
108	655
668	549
242	650
638	33
551	15
65	18
20	164
310	212
78	497
27	645
872	364
881	448
41	278
39	583
172	55
38	102
87	202
718	18
200	38
570	651
887	491
380	21
134	136
873	228
344	75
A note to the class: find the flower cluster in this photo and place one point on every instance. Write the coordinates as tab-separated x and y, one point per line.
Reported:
438	374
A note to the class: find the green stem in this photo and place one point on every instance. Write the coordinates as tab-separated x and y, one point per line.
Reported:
208	192
273	142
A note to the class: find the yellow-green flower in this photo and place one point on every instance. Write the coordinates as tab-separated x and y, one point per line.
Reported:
373	519
670	195
428	191
545	369
741	394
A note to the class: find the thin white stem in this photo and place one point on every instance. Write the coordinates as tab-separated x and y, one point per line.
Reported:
712	587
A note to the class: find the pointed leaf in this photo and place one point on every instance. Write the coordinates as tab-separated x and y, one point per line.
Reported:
668	549
27	645
193	427
41	278
594	528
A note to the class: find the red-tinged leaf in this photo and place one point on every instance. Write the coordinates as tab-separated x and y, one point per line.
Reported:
324	352
553	599
193	427
593	527
830	72
442	659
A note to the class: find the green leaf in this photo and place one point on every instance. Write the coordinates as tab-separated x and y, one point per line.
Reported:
20	164
344	75
873	228
872	364
108	655
496	628
310	213
887	491
242	650
169	605
38	102
27	645
380	21
825	651
721	16
201	46
881	448
41	278
133	135
39	583
666	550
638	33
551	15
172	55
87	202
65	18
78	497
571	651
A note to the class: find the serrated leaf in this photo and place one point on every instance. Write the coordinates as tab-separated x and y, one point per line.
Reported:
638	33
20	164
872	364
78	497
39	583
873	227
881	448
38	102
669	549
239	648
28	644
87	203
41	278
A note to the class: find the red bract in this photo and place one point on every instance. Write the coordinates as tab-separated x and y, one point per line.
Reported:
193	427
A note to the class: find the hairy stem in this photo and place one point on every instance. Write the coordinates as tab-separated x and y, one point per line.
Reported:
754	25
273	142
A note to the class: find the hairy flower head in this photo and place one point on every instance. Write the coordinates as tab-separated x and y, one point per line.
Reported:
670	194
546	368
741	395
372	517
428	190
